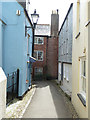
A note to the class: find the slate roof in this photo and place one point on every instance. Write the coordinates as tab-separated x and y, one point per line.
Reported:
42	29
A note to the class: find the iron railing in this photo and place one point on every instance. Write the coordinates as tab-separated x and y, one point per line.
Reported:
12	86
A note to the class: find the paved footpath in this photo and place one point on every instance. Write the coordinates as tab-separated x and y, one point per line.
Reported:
47	102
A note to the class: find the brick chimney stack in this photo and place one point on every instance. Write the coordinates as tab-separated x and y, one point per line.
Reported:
54	23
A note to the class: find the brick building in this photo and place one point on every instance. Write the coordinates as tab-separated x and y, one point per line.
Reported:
42	34
46	49
52	47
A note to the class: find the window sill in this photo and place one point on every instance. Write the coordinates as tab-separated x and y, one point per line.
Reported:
82	99
77	35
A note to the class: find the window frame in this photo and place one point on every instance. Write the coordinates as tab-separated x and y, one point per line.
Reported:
64	71
37	43
37	51
82	92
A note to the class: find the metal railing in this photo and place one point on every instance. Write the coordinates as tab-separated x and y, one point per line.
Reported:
12	86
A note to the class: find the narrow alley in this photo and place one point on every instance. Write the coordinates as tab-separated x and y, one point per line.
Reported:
47	102
45	59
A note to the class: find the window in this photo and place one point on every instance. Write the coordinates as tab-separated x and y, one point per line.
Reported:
83	77
38	55
67	73
64	71
39	40
59	68
38	71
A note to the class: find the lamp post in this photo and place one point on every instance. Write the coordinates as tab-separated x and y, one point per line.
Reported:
35	18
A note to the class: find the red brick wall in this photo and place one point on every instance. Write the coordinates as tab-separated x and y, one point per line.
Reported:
52	57
41	63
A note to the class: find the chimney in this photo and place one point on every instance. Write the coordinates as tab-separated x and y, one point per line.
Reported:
54	23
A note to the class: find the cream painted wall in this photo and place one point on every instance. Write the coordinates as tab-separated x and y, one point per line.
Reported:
89	61
79	46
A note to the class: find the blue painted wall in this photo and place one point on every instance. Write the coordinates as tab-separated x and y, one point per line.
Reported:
14	46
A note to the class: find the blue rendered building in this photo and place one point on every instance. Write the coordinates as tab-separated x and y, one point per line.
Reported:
16	43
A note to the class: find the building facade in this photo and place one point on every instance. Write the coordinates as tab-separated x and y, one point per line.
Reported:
65	52
81	58
47	65
42	34
16	44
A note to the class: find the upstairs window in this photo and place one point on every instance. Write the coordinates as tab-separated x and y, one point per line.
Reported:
38	55
39	40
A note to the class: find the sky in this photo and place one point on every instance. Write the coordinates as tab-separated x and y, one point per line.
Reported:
44	9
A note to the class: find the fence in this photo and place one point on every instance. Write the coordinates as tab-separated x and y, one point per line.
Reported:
12	86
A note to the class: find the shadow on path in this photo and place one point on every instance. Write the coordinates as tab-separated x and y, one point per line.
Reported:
57	97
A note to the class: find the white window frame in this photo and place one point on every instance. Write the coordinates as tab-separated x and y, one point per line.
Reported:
82	92
67	73
59	68
64	71
37	43
37	51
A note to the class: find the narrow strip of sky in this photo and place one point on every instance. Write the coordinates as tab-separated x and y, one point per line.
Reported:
45	7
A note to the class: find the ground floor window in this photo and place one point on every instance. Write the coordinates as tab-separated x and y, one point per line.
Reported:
66	71
59	68
38	70
83	76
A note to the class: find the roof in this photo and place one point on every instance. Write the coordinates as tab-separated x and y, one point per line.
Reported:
65	17
22	2
42	30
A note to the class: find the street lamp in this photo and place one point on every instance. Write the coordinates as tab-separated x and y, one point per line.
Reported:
35	18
